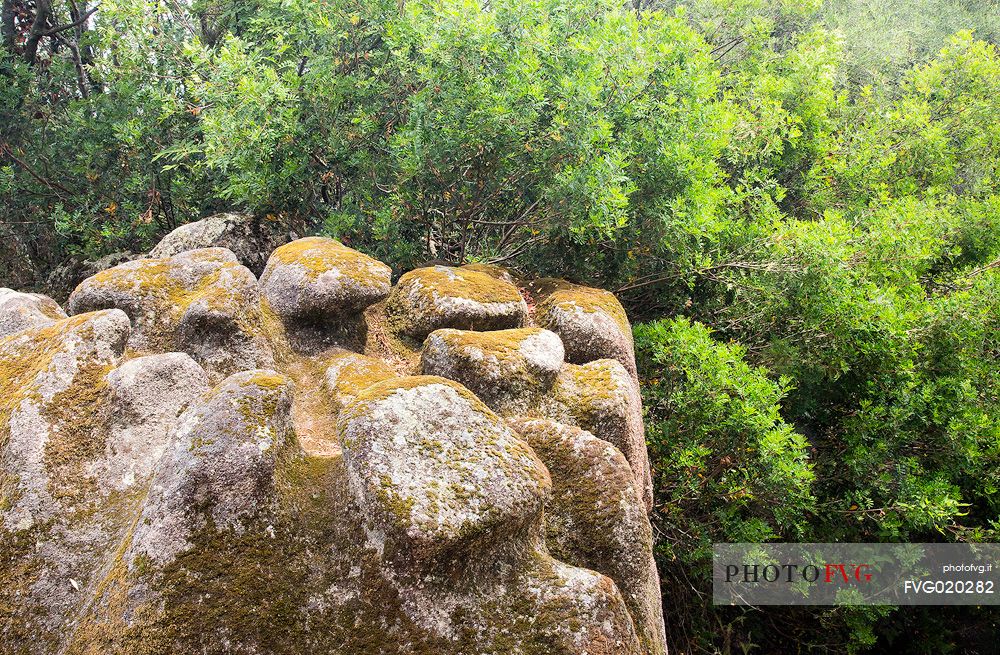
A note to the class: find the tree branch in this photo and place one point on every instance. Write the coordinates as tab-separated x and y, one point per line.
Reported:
7	25
42	11
80	21
82	79
7	150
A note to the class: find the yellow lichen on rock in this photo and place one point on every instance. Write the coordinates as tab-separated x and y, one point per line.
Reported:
350	374
603	398
433	467
202	302
591	322
20	311
427	299
465	282
507	369
493	270
252	468
319	289
318	255
569	296
597	520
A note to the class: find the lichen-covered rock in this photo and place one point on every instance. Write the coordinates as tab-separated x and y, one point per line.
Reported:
64	278
428	299
321	276
219	469
272	556
202	302
575	611
50	378
434	468
316	285
596	519
520	372
79	437
316	499
147	394
250	239
19	311
348	374
498	272
591	322
602	398
506	369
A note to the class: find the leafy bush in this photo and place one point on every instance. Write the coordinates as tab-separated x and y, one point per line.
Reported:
726	466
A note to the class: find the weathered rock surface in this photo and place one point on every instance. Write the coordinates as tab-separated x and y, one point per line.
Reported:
604	399
147	394
319	287
202	302
436	470
591	322
64	278
595	518
348	374
58	515
20	311
521	372
498	272
507	369
250	239
428	299
197	462
219	469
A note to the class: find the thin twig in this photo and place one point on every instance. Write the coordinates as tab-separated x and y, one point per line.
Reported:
6	149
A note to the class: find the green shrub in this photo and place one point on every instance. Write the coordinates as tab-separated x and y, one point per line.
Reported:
726	466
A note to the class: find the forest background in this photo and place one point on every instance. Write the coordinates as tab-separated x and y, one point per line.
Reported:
798	203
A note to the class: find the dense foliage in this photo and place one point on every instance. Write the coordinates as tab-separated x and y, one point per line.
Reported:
801	200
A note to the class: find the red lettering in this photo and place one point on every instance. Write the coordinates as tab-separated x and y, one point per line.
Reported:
830	568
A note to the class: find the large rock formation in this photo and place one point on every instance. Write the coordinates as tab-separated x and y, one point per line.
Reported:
250	239
192	461
202	302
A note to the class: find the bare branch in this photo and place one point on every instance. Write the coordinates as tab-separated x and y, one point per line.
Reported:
80	21
82	79
7	150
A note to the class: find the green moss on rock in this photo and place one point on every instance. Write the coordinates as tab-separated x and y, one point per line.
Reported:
428	299
78	417
507	369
